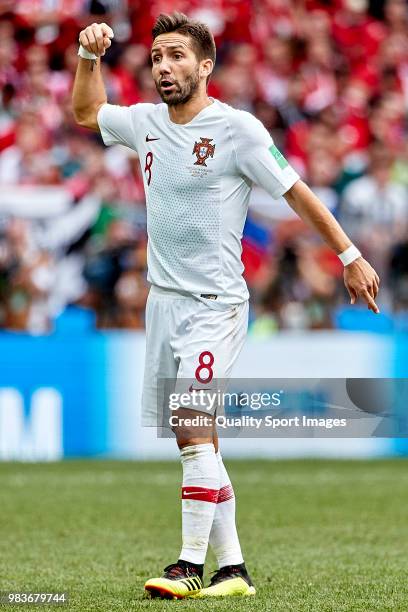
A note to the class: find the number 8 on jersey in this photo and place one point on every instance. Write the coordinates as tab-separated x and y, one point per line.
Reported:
148	167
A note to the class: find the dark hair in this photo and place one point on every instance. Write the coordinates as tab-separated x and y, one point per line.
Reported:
203	40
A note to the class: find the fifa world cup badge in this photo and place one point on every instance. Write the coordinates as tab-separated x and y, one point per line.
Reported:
203	150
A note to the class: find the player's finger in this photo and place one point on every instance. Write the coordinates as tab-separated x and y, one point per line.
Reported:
106	44
98	33
107	31
370	301
83	40
352	294
90	41
376	288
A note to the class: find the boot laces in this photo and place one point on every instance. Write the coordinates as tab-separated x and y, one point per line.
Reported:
175	570
223	572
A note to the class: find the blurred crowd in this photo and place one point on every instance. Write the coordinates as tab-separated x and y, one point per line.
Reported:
329	80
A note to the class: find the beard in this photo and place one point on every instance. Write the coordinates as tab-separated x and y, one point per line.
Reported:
183	92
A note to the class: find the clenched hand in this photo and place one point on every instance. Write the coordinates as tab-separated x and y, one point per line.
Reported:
362	281
96	38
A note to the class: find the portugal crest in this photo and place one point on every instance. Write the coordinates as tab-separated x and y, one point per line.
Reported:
203	150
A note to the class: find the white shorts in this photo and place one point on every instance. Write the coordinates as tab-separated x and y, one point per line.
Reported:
188	343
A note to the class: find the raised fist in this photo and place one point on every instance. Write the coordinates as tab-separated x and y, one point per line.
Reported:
96	38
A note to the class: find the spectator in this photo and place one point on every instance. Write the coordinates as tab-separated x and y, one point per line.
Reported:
27	276
374	209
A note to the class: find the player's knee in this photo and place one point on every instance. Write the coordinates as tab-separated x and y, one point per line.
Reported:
191	427
182	442
186	435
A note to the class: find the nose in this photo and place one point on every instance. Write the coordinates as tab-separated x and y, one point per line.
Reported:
164	67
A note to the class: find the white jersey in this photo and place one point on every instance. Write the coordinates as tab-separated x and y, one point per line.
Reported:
197	178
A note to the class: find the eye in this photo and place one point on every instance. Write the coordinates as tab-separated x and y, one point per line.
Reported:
178	56
155	59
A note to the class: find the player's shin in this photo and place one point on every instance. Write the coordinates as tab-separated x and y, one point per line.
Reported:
201	483
224	539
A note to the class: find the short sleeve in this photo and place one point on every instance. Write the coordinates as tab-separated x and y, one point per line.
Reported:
119	124
258	158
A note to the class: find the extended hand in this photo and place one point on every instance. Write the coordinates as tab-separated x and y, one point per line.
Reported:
361	280
96	38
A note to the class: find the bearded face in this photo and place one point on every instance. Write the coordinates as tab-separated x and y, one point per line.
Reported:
175	68
173	91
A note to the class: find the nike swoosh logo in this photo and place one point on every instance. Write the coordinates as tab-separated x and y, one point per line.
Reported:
194	492
191	389
150	139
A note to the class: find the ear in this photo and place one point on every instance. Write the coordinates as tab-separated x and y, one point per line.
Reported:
206	68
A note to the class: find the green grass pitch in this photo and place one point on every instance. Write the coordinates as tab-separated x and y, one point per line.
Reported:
317	535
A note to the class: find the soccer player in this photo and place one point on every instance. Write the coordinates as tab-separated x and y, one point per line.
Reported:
199	158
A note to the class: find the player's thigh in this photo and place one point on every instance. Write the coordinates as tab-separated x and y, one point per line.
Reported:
206	345
208	349
160	364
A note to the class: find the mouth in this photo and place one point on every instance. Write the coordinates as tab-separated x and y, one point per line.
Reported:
166	85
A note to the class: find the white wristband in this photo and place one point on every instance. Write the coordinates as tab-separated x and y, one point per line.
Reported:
82	52
349	255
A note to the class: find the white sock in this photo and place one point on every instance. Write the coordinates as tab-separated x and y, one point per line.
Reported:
201	483
223	536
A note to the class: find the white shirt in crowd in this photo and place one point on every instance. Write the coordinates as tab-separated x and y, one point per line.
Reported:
365	204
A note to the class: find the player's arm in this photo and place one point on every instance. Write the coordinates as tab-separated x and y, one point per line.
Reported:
89	91
260	161
360	278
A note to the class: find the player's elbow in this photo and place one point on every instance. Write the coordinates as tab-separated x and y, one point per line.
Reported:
297	195
296	191
87	118
80	115
79	119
